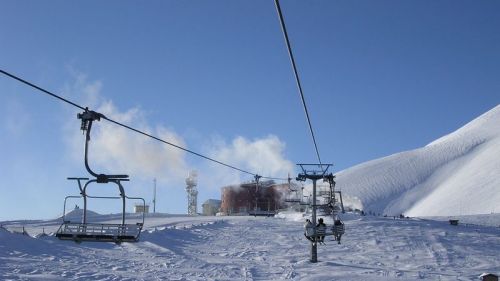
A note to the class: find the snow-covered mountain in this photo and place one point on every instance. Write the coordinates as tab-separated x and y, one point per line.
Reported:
457	174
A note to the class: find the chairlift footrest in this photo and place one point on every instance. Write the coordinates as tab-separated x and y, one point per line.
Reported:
99	232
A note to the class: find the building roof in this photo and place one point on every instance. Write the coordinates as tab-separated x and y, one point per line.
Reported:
212	202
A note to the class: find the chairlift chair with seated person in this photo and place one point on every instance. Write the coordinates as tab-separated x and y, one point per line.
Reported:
315	234
100	232
338	229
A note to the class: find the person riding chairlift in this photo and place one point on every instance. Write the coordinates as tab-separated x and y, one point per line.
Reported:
321	225
309	230
338	229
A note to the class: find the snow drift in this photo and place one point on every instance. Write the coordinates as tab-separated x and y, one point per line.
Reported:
457	174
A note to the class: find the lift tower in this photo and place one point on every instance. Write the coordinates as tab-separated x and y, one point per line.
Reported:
314	175
192	193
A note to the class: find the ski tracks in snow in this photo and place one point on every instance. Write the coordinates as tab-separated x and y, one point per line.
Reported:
262	247
244	248
411	249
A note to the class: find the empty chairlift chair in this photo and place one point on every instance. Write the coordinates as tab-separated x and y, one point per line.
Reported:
94	231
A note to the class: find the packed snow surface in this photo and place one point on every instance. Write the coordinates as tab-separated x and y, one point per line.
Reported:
248	248
457	174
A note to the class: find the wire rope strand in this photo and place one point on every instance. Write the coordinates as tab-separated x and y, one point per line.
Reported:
299	86
176	146
41	89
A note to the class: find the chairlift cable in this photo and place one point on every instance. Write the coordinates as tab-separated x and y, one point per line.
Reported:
299	86
131	128
41	89
177	146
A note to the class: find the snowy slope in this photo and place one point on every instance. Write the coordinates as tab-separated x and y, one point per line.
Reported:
457	174
247	248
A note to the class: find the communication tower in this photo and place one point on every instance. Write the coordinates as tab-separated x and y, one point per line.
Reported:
192	192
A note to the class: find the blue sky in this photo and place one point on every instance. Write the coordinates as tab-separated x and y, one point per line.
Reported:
379	77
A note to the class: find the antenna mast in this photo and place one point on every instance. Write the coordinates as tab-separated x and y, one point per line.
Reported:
192	193
154	196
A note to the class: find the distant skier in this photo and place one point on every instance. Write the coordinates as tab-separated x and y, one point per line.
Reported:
308	230
321	227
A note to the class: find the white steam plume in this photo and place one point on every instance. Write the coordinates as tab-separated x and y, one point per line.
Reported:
264	156
116	150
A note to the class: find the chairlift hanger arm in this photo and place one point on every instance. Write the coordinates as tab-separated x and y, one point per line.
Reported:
87	117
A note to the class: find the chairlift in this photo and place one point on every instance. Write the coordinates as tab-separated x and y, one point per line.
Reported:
293	197
316	233
338	229
99	232
294	194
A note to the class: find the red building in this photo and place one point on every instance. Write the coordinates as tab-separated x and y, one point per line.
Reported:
250	199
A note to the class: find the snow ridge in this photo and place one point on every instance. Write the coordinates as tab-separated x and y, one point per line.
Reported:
456	174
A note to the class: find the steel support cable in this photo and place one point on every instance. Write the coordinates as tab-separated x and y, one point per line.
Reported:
131	128
299	86
182	148
41	89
